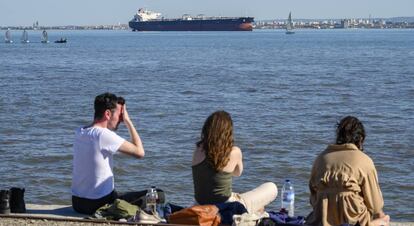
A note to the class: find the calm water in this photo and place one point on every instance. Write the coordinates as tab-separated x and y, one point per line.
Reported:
285	94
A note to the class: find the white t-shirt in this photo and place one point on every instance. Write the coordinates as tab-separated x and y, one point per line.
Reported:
92	175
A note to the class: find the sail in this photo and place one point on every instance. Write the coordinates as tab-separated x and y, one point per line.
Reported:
289	25
7	36
44	37
25	37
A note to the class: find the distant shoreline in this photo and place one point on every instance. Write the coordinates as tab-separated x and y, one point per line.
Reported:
256	27
366	23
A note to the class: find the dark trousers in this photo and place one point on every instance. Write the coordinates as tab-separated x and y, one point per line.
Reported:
89	206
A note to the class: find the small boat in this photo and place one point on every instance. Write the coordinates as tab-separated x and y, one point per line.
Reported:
289	25
25	37
8	37
44	37
61	40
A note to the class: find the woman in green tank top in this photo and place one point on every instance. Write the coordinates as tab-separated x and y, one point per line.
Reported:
216	160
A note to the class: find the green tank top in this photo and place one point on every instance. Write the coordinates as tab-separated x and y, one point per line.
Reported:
210	186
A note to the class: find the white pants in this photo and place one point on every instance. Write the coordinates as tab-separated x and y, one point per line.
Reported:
256	199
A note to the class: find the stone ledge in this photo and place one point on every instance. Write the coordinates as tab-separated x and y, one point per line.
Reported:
64	215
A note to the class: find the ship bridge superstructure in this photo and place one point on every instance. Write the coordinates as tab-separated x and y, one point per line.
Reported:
146	15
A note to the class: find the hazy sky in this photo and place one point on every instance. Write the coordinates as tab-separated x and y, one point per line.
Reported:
91	12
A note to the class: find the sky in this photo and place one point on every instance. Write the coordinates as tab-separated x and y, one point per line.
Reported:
106	12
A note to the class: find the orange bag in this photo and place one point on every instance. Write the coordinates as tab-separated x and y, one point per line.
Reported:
203	215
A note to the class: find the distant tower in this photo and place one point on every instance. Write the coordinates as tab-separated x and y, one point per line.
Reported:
345	23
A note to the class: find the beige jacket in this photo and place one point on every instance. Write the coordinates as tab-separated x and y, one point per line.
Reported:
344	187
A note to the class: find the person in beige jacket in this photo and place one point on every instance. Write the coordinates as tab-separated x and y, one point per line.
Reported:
344	184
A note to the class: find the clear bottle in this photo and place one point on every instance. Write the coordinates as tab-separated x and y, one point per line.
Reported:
151	200
288	198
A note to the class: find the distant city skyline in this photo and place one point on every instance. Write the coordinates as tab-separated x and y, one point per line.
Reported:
89	12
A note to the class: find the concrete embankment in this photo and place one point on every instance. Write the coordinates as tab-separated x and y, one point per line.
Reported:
56	215
29	221
59	215
13	220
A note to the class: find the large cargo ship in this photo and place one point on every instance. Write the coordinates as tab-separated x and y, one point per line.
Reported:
145	20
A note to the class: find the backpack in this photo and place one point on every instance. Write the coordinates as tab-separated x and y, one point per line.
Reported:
203	215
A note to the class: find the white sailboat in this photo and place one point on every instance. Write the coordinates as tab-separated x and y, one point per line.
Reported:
289	25
44	37
8	37
25	37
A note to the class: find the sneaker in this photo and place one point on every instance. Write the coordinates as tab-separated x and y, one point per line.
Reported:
4	202
147	218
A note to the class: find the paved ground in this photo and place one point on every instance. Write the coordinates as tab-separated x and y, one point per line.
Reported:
58	215
60	211
9	221
54	215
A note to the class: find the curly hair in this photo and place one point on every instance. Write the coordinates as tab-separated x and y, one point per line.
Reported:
217	139
350	130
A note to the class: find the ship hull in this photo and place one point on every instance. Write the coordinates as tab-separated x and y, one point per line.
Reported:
221	24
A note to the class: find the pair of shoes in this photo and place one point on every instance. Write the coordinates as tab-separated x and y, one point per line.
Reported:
147	218
12	201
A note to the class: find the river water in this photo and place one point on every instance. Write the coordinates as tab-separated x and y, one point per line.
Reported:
285	93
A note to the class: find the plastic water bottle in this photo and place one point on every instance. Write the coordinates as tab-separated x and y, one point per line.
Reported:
288	198
151	200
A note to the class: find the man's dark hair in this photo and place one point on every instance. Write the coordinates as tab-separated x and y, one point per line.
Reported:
106	101
121	101
350	130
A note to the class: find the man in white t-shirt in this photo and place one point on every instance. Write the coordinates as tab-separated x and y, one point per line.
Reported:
93	149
